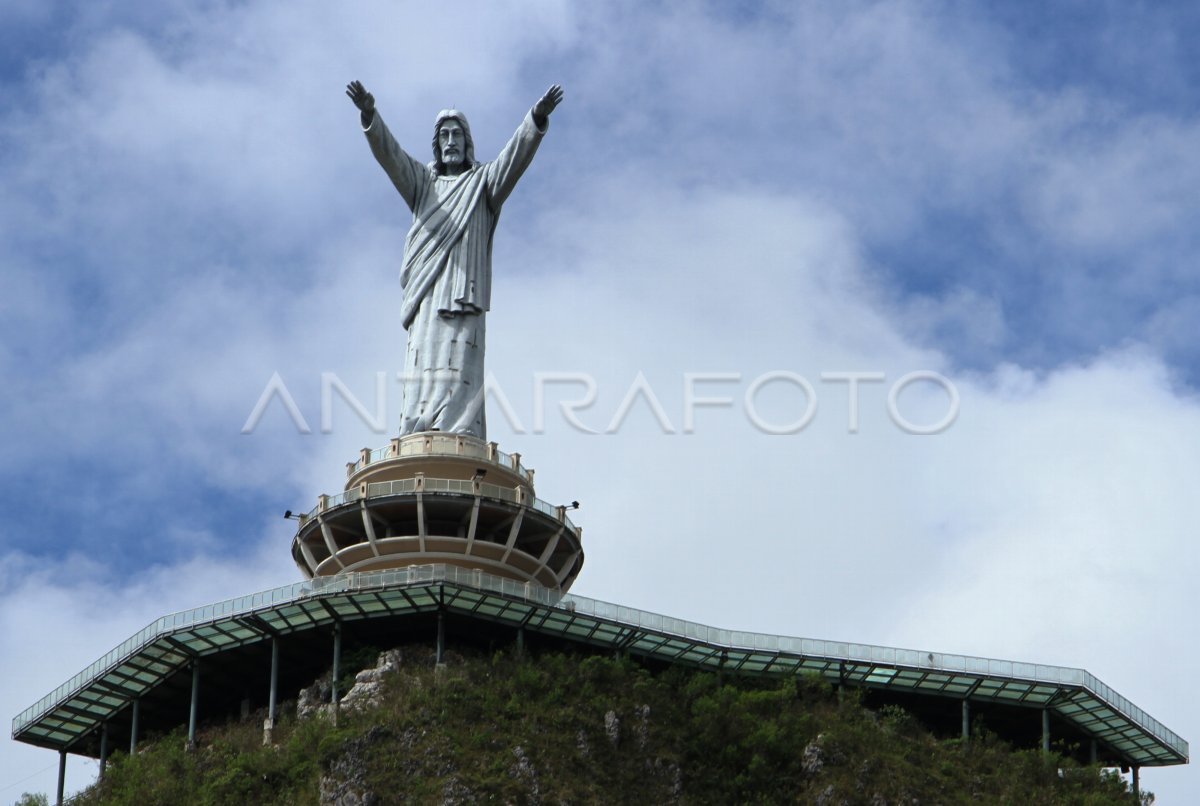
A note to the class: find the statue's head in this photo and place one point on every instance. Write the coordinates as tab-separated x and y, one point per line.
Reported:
453	148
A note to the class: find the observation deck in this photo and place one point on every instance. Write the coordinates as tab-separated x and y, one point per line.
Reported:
440	498
145	684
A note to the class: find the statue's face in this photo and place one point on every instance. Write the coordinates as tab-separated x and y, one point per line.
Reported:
453	143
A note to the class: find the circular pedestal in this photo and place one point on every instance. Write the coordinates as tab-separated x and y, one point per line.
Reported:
440	498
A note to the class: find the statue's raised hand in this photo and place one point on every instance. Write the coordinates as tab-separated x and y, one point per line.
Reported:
547	102
364	100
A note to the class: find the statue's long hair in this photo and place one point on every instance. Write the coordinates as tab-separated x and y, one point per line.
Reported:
439	167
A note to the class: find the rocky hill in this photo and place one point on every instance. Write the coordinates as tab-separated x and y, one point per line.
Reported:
553	728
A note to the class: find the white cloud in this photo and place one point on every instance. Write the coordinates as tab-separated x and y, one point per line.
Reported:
57	616
1123	182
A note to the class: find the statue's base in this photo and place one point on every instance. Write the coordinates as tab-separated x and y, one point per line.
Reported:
440	498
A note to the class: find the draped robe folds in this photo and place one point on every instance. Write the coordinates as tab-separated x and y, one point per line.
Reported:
447	276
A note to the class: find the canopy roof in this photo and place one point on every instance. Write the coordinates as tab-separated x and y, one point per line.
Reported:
147	662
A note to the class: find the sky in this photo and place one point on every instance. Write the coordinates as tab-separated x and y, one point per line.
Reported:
986	212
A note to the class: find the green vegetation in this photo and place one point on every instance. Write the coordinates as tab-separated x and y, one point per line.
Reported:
28	799
566	728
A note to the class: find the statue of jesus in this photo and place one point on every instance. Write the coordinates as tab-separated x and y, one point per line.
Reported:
447	272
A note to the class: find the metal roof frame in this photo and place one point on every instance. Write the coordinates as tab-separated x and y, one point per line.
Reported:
107	687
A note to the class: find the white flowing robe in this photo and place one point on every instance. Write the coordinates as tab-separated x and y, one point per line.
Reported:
447	276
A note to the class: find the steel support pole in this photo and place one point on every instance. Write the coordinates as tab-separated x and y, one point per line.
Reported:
1092	755
337	669
103	748
274	681
62	775
133	725
966	719
1137	783
520	642
195	704
441	637
1045	730
337	661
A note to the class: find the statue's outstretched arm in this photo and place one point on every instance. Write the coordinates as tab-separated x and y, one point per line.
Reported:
365	101
546	104
504	171
405	172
